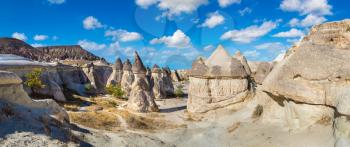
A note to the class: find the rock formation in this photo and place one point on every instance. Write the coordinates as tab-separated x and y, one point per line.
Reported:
141	96
259	70
312	81
127	78
244	62
72	52
168	83
20	48
157	83
117	74
175	76
98	75
219	81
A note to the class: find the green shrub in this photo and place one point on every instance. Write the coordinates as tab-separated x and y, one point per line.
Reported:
115	90
88	87
179	91
33	79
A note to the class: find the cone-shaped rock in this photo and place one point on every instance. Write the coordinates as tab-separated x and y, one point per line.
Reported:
244	62
141	97
116	77
158	83
127	78
168	83
219	81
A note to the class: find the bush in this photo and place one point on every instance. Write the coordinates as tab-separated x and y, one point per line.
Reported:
33	79
88	87
179	91
115	90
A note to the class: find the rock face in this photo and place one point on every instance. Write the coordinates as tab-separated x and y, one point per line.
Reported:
73	52
157	83
116	76
244	62
219	81
316	73
168	83
127	78
175	76
260	70
141	96
20	48
98	75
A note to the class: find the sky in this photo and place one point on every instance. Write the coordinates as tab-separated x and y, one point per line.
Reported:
168	32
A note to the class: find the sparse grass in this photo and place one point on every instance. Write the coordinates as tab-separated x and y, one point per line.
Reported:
233	127
258	111
179	91
325	120
96	120
115	90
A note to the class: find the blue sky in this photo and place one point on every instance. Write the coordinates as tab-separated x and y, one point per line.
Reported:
168	32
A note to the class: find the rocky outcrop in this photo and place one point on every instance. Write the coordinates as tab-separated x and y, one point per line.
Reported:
316	73
127	78
20	48
71	52
116	76
168	83
141	96
244	62
98	75
157	83
217	82
259	70
175	76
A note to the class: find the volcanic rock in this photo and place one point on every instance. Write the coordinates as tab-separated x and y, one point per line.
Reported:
158	83
127	78
117	74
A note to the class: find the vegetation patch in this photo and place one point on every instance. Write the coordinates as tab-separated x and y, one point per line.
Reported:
258	111
96	120
179	91
115	90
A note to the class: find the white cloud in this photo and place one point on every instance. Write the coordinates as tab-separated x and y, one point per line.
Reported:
91	23
294	22
208	48
311	20
145	3
225	3
90	45
304	7
123	35
177	40
213	20
172	8
40	37
251	54
20	36
56	1
272	47
37	45
245	11
290	34
250	33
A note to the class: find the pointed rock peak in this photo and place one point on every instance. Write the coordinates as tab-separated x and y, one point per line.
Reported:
138	66
219	57
127	65
238	54
155	66
118	64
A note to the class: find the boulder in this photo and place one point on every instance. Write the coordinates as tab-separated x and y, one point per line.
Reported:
127	78
217	82
316	73
116	76
141	96
157	83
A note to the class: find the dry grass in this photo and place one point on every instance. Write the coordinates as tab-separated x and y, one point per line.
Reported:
258	111
96	120
233	127
325	120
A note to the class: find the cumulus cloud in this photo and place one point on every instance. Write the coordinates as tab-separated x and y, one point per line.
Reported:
37	45
123	35
40	37
304	7
172	8
245	11
226	3
91	45
91	23
251	53
213	20
177	40
308	21
56	1
271	46
20	36
208	48
294	22
290	34
145	3
250	33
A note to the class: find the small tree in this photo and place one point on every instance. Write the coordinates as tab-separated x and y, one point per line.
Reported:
33	79
115	90
179	91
